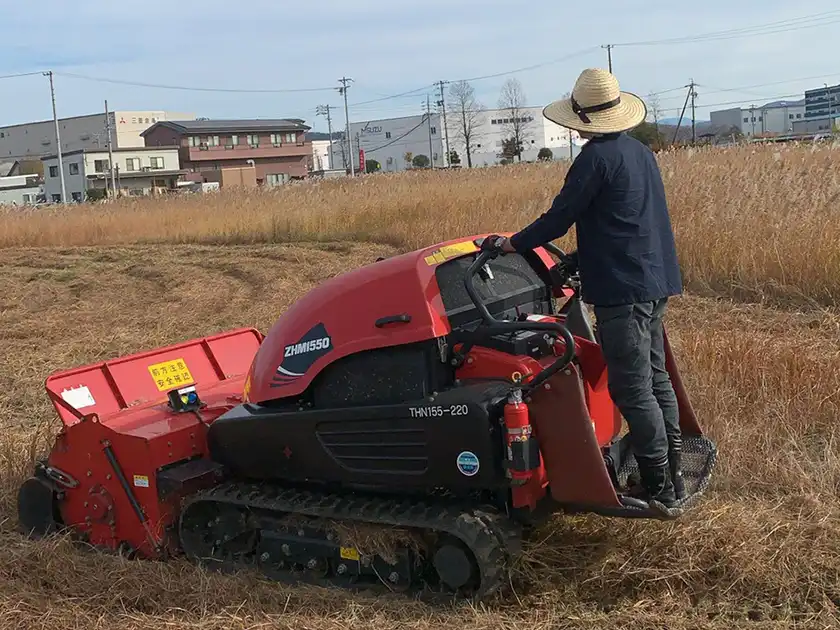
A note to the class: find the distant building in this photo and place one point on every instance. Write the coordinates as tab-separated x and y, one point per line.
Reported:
37	139
777	117
137	170
277	149
10	168
321	155
822	111
822	103
390	140
20	190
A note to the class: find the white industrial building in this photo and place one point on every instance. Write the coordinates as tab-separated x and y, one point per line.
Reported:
137	171
390	141
778	117
35	140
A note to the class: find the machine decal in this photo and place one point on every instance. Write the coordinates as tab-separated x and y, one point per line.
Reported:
438	411
141	481
169	374
349	553
468	463
78	397
450	251
298	357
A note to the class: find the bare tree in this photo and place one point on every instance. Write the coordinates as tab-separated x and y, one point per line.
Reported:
516	121
467	118
655	110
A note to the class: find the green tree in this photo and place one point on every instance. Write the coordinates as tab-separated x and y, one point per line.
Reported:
647	134
372	166
510	149
545	155
420	161
454	158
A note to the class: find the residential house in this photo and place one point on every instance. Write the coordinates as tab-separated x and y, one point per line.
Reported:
20	190
137	171
277	150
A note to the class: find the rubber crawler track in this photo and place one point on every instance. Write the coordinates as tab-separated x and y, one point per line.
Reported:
490	535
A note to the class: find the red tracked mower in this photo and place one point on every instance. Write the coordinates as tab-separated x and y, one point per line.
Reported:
441	392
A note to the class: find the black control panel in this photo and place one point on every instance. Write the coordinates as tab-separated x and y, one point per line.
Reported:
534	344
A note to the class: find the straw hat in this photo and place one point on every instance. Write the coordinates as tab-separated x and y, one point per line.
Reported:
597	105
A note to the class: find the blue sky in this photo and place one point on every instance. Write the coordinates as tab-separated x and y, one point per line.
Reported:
393	47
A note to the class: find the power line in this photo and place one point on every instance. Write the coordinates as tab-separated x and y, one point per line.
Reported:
393	96
532	67
683	39
191	89
21	74
741	102
393	141
749	31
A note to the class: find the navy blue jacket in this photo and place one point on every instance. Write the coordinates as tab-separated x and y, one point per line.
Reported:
614	195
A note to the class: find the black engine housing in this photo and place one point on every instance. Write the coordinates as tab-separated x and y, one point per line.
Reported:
450	440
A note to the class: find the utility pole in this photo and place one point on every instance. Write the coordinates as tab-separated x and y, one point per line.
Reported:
324	110
571	147
442	105
57	139
693	117
609	48
110	152
343	90
429	124
682	113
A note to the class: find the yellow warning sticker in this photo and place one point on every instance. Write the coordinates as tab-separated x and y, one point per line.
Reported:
450	251
171	374
349	553
141	481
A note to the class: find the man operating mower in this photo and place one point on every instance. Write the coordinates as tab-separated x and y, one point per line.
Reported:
627	261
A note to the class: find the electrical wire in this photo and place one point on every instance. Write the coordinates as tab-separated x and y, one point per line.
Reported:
22	74
749	31
775	27
387	144
192	89
393	96
578	53
741	102
486	76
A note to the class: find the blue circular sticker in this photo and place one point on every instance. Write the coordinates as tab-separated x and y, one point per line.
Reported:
467	463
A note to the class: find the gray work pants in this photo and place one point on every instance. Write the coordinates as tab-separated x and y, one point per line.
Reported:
631	338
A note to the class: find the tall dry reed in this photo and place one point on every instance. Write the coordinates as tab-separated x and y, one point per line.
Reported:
761	222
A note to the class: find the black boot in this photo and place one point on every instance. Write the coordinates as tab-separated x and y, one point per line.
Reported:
674	461
656	481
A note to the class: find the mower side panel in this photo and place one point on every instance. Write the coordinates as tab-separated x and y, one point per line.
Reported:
573	458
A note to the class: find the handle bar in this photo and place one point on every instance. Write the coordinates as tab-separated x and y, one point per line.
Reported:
496	326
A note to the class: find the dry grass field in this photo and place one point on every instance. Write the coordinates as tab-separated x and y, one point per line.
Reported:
757	336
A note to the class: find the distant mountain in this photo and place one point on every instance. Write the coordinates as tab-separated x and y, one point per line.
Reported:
686	119
319	135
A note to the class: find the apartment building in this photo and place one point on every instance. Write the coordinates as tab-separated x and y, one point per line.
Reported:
277	149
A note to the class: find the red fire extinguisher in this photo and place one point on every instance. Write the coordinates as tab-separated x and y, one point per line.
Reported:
523	452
